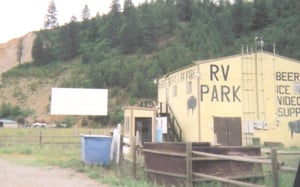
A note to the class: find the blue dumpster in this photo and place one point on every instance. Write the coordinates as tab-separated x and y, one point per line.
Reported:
96	149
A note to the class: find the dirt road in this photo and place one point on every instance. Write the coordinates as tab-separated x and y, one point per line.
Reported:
14	175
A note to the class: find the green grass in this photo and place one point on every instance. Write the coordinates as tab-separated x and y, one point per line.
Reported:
64	155
285	179
31	70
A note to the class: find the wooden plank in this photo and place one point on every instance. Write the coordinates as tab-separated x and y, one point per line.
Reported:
121	150
235	158
133	157
61	143
221	159
290	169
233	178
275	177
164	153
165	173
288	152
189	165
267	151
297	177
41	139
226	180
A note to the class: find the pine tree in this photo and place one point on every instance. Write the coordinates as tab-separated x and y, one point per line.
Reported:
92	34
261	17
114	24
42	52
184	9
240	15
169	16
20	50
73	18
150	27
68	41
86	14
51	16
224	24
128	6
130	31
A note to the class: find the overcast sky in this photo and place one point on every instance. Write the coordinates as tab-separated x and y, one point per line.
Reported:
18	17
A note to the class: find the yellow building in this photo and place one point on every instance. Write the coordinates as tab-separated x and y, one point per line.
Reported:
234	100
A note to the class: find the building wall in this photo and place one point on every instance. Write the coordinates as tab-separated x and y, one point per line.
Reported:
173	88
283	104
220	93
261	89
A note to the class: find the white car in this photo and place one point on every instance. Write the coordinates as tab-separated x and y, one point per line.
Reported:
39	125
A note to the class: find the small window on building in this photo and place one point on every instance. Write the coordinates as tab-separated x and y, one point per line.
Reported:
189	87
167	94
174	91
182	77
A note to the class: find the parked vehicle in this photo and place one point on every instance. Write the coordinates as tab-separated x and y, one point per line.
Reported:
39	125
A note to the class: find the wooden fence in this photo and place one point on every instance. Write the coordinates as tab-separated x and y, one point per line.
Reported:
41	139
45	136
275	165
191	156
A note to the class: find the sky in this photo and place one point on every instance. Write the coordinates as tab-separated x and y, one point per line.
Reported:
18	17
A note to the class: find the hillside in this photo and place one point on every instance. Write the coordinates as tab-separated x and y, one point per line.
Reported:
125	50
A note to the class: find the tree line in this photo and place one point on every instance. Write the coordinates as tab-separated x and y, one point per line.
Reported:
129	47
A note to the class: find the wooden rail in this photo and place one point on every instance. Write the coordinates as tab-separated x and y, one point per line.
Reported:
45	136
164	153
190	156
276	167
41	139
226	180
226	157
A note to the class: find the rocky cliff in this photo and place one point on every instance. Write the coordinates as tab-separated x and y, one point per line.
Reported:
8	52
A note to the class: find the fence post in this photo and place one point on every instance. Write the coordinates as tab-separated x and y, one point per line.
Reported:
297	178
189	165
134	157
121	150
275	179
41	139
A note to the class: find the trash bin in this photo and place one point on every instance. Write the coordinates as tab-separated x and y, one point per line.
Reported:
96	149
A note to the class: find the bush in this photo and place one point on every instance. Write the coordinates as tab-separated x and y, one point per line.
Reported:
13	112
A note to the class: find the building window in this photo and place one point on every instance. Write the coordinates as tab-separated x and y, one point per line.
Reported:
189	87
174	91
182	77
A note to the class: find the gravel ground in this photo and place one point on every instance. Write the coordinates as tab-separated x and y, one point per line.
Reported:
14	175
